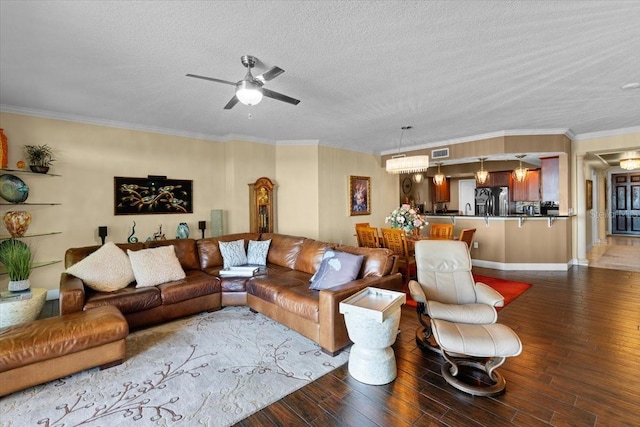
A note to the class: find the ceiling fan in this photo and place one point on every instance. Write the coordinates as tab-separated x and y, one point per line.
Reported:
249	90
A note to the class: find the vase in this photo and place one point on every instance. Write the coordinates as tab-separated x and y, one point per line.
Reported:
17	222
4	160
39	169
19	285
182	232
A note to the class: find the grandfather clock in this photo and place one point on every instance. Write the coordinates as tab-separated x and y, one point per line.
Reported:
262	196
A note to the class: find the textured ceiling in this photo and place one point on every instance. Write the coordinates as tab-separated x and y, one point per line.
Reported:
451	69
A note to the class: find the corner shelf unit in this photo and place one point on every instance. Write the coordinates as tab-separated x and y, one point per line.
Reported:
36	264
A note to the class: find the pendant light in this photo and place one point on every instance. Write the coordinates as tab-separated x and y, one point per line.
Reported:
401	163
438	178
482	175
417	178
520	173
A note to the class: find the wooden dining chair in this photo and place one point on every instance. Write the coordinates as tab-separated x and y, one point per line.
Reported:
396	240
466	235
358	225
441	231
368	237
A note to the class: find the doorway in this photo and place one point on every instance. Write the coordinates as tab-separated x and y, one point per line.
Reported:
625	203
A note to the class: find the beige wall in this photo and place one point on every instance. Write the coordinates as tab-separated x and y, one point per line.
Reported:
311	184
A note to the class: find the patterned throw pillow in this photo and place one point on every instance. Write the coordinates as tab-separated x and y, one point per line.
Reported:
106	270
233	253
155	266
257	252
336	268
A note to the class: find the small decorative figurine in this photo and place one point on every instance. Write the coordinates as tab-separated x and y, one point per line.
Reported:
132	238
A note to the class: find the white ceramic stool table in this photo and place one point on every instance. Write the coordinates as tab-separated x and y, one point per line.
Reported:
372	317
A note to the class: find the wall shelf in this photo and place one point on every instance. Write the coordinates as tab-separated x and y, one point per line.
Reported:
47	233
28	172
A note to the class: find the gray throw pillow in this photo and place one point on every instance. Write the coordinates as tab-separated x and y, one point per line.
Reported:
257	252
233	253
336	268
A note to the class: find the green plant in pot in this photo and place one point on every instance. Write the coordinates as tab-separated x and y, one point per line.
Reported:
40	157
16	257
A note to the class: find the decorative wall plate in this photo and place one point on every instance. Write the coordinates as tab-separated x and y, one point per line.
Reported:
13	189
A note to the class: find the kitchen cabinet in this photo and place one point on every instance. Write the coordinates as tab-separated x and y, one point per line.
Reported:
496	179
527	190
441	193
550	179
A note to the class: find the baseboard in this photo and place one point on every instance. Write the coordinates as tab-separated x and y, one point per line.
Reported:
522	266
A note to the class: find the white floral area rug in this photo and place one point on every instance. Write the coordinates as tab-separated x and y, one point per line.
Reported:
212	369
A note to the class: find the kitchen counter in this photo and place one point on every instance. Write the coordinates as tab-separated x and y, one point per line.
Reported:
515	242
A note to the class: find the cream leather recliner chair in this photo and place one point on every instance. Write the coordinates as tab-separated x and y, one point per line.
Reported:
458	316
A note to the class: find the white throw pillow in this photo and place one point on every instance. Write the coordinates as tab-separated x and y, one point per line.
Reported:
154	266
257	252
233	253
106	270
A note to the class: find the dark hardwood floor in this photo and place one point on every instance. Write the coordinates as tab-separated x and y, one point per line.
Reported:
580	366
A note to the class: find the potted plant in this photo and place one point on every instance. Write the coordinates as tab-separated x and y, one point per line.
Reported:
16	257
40	157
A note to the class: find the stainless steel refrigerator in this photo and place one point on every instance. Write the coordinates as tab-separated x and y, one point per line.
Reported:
492	201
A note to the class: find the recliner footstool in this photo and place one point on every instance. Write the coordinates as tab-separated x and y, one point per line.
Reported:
465	344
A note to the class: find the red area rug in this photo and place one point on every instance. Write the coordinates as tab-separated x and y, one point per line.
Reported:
509	289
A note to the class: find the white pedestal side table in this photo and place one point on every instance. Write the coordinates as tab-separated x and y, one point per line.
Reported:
372	317
22	311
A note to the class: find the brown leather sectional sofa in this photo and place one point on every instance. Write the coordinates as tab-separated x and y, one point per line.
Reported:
281	292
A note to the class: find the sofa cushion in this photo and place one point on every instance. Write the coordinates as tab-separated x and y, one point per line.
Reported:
154	266
128	300
284	249
337	268
209	250
233	253
186	250
194	285
310	255
257	252
106	270
377	262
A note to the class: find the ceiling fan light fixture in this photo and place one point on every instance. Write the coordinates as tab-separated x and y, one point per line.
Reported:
407	164
630	164
520	173
248	92
438	178
482	175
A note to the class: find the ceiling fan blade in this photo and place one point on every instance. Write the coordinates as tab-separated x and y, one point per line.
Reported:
279	96
211	79
233	101
270	74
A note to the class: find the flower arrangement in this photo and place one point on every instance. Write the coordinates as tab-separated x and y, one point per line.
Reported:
406	218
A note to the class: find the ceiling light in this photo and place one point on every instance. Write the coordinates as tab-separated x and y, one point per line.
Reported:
438	178
520	173
406	164
634	85
482	175
249	92
417	178
630	164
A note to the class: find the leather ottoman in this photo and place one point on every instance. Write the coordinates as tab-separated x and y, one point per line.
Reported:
43	350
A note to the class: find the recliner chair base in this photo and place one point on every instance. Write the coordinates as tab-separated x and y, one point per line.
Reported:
496	382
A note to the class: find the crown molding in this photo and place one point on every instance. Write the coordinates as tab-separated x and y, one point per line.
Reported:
605	133
480	137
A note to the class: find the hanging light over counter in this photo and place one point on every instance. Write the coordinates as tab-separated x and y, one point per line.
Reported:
438	178
401	163
482	175
630	164
520	173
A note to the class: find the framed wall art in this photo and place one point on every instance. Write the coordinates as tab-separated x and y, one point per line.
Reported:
589	195
359	195
152	195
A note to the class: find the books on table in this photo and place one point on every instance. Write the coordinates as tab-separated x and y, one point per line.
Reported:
240	271
7	296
